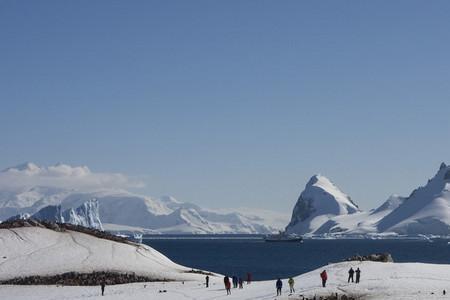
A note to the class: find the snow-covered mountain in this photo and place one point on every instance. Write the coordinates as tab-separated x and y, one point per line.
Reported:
425	211
319	202
362	223
322	209
119	209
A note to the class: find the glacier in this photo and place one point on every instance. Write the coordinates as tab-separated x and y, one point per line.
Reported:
86	215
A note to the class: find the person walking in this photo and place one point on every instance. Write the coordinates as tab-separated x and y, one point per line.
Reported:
324	277
350	274
241	281
291	285
279	286
207	281
358	275
235	282
102	285
227	283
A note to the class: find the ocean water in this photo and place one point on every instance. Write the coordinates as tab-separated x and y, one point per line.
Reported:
237	256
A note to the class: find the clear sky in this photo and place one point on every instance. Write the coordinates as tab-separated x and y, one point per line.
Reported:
232	103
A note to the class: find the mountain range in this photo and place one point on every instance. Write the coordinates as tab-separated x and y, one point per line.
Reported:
72	194
324	210
65	191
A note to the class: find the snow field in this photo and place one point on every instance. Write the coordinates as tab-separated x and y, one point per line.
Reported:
378	281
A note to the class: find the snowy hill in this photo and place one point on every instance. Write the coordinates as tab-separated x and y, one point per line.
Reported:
36	251
319	202
425	211
72	187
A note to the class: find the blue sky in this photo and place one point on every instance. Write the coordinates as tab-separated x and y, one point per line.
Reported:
233	103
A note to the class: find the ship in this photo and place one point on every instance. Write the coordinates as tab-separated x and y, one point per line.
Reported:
283	237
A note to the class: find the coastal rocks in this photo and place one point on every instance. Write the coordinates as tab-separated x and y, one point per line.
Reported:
192	271
74	278
379	257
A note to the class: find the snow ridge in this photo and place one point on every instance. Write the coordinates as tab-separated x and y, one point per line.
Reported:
322	209
425	211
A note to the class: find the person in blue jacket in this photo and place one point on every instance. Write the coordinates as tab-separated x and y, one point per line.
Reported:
235	281
279	285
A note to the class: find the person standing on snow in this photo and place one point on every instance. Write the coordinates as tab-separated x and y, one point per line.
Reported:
291	285
207	281
324	277
241	281
279	286
227	283
350	274
235	282
249	278
102	285
358	275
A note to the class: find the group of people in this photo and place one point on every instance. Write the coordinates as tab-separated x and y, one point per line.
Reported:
238	282
352	272
323	276
279	285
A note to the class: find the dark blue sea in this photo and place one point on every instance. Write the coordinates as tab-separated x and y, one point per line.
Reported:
237	256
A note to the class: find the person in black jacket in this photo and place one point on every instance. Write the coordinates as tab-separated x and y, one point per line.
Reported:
279	286
102	285
358	275
235	281
350	274
241	281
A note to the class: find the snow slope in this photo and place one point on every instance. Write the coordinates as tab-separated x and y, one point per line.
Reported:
359	224
379	281
30	251
323	210
425	211
71	187
320	201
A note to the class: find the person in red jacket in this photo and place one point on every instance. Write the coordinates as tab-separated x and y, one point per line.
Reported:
324	277
227	283
249	278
